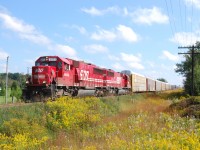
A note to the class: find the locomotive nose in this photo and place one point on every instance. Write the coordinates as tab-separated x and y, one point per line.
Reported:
42	74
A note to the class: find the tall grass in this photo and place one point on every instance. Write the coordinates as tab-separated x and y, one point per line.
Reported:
23	127
138	121
144	126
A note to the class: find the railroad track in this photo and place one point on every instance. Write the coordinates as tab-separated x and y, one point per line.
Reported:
15	105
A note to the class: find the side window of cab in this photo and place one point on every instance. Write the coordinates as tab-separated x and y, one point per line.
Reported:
59	65
67	67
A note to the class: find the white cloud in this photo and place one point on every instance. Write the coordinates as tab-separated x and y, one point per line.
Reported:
114	58
136	65
195	3
97	12
132	61
24	30
185	38
36	38
30	33
121	32
104	35
127	62
15	24
125	11
127	33
81	29
2	68
3	55
92	11
64	49
144	16
149	16
170	56
174	67
129	57
95	48
70	39
151	64
118	66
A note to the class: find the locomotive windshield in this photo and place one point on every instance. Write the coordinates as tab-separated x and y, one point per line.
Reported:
45	63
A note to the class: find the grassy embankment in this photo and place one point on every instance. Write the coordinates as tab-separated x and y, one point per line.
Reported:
142	121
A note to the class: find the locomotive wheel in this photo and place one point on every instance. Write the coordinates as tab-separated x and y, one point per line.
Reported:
37	97
99	93
26	95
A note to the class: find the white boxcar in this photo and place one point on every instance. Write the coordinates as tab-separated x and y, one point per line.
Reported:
151	85
138	83
173	87
158	85
168	86
163	86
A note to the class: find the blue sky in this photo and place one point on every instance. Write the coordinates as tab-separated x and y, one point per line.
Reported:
141	36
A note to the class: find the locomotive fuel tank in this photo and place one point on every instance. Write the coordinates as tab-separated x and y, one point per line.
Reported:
82	93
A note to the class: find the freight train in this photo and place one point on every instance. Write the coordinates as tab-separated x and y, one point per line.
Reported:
54	76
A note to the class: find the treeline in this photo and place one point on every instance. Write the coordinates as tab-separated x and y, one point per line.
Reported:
16	82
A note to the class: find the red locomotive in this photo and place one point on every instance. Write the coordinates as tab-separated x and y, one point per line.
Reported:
54	76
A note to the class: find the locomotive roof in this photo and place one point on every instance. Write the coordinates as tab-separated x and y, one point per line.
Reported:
62	59
65	60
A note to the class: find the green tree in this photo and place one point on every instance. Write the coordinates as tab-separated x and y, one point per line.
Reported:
15	91
185	69
18	77
162	79
2	91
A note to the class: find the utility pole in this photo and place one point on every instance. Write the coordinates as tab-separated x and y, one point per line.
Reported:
7	79
28	70
192	55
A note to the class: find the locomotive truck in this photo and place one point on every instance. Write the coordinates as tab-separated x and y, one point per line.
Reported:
54	76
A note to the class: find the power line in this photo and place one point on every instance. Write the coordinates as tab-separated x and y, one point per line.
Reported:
192	23
180	14
185	19
185	22
169	17
172	11
192	16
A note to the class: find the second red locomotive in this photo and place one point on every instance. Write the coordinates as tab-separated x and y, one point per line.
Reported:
55	76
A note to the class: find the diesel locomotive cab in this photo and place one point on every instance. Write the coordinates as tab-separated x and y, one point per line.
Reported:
44	72
43	80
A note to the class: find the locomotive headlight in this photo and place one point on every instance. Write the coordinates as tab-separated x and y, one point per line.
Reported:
44	82
27	82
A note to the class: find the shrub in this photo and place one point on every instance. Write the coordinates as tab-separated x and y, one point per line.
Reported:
20	134
187	107
72	114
